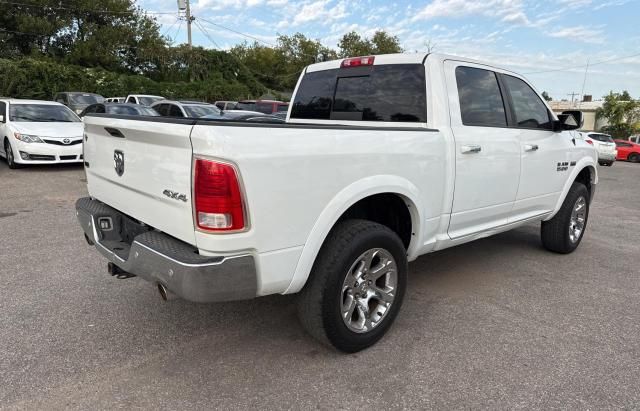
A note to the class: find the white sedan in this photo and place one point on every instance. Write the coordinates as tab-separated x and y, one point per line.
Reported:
39	132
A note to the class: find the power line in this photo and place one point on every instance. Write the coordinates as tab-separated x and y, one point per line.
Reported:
584	65
91	11
170	27
206	33
238	32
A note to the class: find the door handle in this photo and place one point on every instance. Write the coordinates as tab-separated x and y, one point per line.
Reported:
114	132
470	149
531	147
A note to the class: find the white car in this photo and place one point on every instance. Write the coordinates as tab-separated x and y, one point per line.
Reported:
143	99
382	159
39	132
605	146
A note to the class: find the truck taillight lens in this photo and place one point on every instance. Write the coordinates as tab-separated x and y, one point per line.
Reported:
358	61
589	142
218	198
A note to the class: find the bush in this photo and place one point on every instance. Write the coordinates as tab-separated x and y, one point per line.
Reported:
42	79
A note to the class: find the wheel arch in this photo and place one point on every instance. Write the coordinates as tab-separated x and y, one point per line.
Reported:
343	204
585	172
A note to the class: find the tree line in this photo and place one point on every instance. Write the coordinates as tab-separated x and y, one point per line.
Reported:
114	47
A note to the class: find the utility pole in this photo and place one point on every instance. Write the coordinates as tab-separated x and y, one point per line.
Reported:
572	94
189	20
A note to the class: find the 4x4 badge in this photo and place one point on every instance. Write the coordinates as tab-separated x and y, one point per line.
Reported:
118	161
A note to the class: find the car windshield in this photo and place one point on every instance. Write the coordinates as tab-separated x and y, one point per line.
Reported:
202	110
85	99
41	113
132	110
147	101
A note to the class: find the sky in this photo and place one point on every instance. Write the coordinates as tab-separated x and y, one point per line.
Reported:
550	42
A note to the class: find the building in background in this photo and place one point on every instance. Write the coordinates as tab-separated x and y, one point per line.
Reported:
588	108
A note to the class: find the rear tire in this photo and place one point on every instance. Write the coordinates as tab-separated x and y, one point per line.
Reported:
634	158
356	286
564	232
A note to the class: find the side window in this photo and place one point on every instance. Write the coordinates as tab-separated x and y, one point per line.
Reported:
530	111
132	100
99	108
481	101
220	105
3	111
175	111
162	109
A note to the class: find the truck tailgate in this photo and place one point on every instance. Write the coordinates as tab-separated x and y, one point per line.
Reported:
143	169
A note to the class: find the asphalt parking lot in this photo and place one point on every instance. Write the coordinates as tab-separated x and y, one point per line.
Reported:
498	323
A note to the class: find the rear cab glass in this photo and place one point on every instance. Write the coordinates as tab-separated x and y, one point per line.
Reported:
390	93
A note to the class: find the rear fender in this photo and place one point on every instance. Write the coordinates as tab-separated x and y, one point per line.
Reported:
342	202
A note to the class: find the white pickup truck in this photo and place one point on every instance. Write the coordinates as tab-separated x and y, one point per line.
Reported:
382	159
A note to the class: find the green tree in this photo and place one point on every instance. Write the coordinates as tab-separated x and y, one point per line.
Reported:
546	96
352	44
621	112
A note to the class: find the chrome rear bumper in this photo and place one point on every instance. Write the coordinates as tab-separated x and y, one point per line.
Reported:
159	258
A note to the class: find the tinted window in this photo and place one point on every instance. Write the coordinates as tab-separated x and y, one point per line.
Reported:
379	93
174	111
246	106
131	110
480	98
3	110
41	113
283	107
529	109
602	137
220	106
100	108
163	109
266	108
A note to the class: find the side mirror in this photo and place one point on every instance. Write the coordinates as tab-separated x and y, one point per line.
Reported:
569	120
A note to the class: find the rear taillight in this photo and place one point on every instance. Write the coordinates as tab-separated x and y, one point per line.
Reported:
589	142
358	61
218	198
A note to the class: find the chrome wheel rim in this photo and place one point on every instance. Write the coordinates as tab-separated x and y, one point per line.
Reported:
578	219
368	290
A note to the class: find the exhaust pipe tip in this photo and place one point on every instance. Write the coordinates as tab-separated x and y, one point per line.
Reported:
165	294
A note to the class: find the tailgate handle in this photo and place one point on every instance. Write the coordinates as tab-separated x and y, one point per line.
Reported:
114	132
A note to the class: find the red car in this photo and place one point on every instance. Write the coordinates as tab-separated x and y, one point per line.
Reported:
628	151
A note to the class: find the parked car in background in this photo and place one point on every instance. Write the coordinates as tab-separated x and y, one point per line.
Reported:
190	109
244	115
116	99
635	139
119	108
143	99
263	106
605	146
628	151
226	105
39	132
78	101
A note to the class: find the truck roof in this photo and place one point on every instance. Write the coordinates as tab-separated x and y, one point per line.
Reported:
399	58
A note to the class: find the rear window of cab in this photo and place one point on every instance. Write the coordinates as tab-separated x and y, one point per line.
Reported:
394	92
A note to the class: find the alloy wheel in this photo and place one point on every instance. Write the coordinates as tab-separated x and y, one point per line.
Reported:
578	219
368	290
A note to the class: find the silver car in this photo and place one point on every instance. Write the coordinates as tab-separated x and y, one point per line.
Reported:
605	145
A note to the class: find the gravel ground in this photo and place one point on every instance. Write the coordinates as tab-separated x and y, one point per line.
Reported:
498	323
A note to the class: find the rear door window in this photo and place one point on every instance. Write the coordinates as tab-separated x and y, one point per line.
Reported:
481	102
174	111
394	92
266	108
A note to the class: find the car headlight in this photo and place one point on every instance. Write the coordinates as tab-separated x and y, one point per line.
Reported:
27	138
